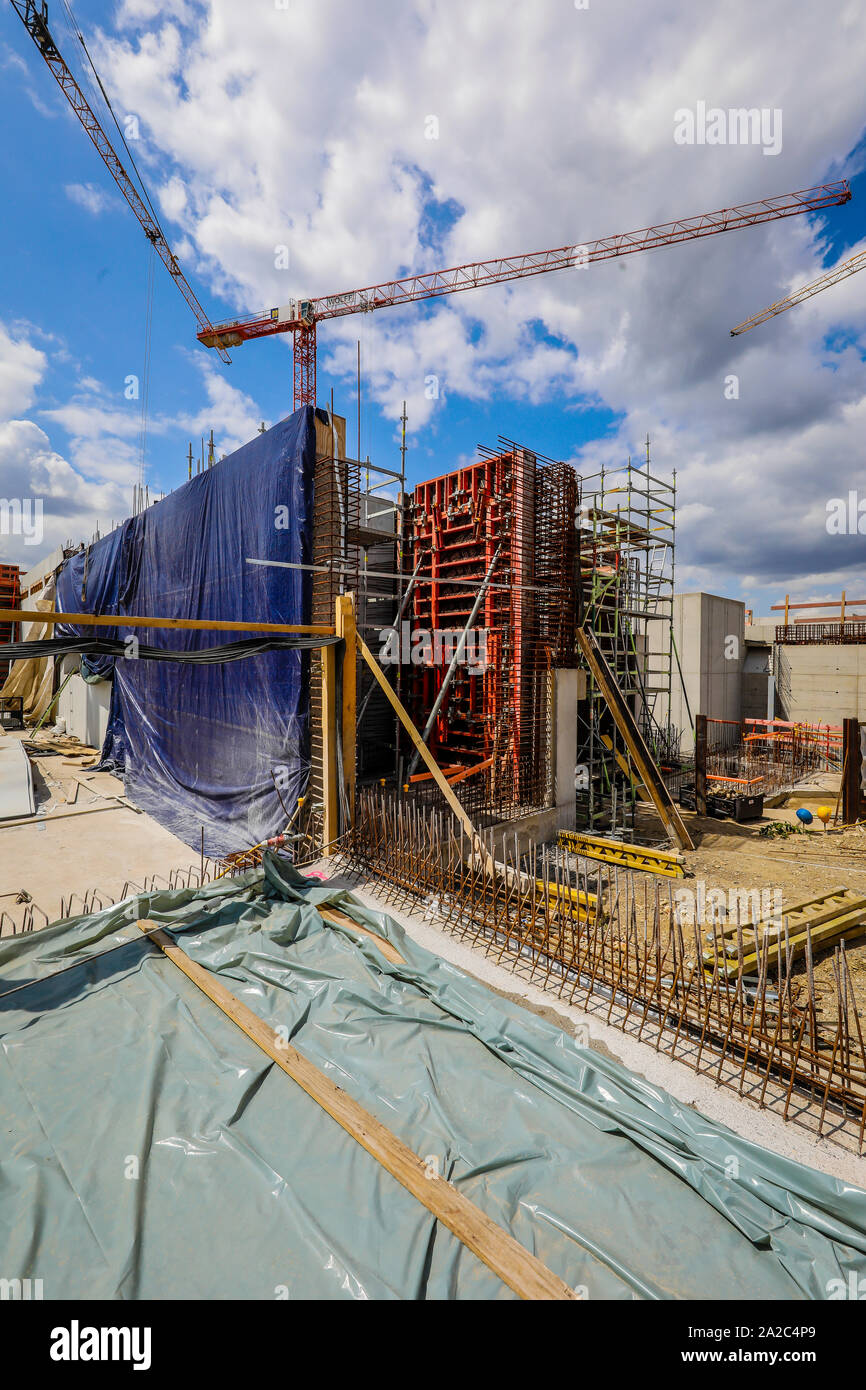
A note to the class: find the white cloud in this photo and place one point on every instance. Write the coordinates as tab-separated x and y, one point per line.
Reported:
307	126
233	415
30	469
90	197
21	369
93	485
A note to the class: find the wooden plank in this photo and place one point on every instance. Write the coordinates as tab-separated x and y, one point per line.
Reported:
345	627
812	910
20	615
513	1264
470	772
640	789
822	920
330	789
425	754
849	925
446	772
640	754
331	914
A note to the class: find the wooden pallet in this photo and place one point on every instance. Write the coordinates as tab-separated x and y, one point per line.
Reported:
823	920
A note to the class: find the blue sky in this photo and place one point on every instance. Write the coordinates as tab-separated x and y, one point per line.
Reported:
577	144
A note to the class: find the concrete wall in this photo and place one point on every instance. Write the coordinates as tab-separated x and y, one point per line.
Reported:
32	582
756	680
816	683
709	634
84	707
821	684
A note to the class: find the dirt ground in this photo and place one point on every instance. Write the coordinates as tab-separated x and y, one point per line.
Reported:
729	856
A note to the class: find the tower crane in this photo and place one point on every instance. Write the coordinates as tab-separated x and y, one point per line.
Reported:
34	17
300	317
830	277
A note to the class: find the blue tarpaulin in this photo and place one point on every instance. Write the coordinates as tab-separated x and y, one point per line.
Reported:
208	746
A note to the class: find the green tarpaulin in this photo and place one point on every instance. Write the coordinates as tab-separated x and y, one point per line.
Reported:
148	1149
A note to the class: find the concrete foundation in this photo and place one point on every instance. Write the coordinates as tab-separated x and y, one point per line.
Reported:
531	830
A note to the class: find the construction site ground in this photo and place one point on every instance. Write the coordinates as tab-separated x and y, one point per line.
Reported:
92	839
834	1154
731	856
85	836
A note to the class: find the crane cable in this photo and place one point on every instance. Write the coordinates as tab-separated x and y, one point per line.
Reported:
78	37
145	380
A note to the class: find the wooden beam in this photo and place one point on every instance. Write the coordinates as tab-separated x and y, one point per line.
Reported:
20	615
831	603
345	627
701	764
509	1260
341	919
851	771
426	756
640	754
640	789
470	772
330	789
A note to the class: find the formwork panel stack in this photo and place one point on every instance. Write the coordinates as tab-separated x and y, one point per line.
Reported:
513	512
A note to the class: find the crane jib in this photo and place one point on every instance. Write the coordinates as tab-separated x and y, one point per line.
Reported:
475	275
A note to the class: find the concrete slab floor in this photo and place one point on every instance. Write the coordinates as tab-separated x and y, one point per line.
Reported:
52	859
81	838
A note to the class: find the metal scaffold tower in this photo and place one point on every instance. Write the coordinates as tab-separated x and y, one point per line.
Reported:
628	547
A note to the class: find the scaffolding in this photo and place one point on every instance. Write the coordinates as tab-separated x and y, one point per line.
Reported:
627	572
356	548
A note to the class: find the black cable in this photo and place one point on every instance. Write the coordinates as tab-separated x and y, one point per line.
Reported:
105	646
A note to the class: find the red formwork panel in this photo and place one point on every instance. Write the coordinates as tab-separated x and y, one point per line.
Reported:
10	597
491	712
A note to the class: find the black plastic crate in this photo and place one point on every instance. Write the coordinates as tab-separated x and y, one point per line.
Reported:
12	712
